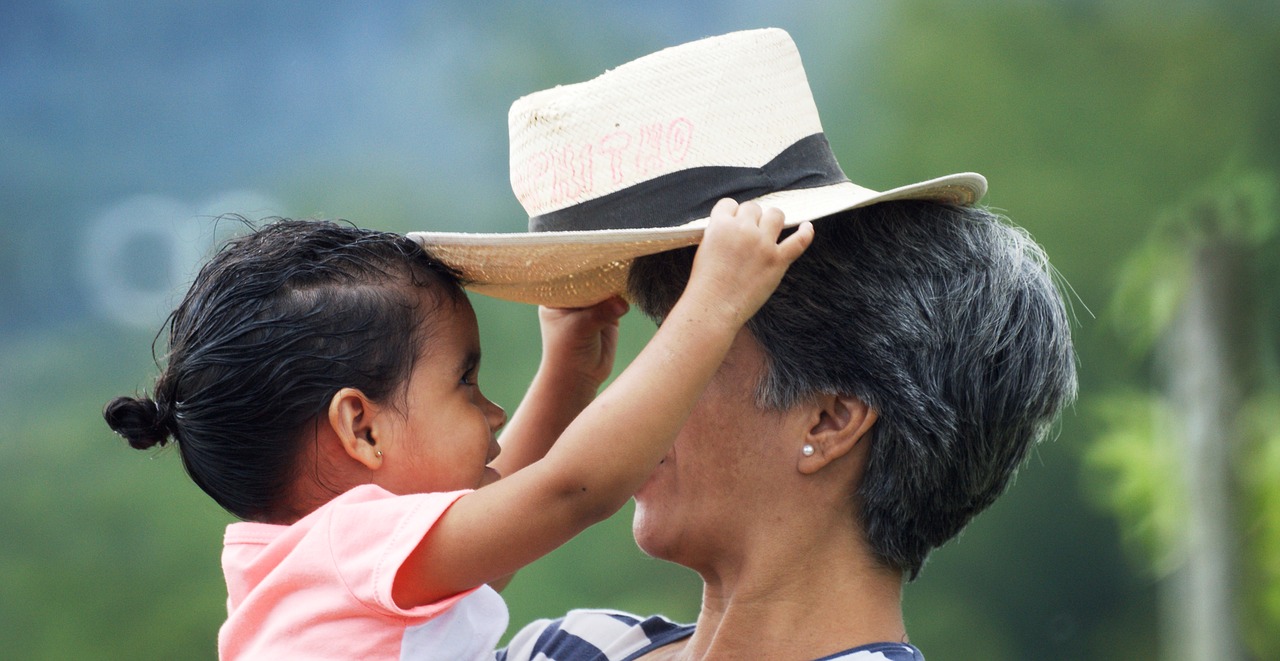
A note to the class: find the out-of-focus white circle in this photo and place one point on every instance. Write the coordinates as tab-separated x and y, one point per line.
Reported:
179	236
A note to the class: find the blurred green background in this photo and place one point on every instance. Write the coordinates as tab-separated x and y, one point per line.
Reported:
1124	135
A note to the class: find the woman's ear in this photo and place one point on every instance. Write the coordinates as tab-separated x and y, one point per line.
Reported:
352	417
839	422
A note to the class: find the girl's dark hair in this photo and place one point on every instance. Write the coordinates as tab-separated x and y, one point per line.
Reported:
273	326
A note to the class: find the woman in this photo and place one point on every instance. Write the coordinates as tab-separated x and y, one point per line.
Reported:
883	396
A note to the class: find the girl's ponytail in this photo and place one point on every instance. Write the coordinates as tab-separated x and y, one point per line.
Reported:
142	422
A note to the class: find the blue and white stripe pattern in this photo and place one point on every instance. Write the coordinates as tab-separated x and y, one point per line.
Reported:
605	635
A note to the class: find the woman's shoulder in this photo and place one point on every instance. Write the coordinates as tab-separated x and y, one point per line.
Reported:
878	652
592	635
609	635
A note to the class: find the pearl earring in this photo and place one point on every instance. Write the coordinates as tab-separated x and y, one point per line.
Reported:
807	450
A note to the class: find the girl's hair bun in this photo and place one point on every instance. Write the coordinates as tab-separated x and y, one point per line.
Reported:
139	421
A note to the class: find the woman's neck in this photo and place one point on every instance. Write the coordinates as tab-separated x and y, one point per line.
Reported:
797	600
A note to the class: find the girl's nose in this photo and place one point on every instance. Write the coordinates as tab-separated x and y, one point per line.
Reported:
496	416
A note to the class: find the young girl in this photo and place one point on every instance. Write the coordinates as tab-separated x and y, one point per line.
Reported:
321	386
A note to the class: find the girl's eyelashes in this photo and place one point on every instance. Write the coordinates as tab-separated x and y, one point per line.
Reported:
470	369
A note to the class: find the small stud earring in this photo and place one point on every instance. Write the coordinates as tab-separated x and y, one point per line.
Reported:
378	454
807	450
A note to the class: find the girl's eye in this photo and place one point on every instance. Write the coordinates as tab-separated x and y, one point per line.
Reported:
468	379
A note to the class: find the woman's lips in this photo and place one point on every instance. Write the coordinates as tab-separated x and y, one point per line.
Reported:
653	476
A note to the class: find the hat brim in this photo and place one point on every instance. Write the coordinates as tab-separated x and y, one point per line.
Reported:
579	268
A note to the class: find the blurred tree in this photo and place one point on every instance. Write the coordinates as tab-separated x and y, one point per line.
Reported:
1192	469
1087	117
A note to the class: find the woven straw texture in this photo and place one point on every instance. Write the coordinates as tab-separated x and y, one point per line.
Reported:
736	100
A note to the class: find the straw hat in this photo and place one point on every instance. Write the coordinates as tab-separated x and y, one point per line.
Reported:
631	162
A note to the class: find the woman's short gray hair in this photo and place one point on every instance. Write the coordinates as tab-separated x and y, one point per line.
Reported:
946	321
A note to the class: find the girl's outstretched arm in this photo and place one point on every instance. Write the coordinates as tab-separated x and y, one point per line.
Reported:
578	347
608	451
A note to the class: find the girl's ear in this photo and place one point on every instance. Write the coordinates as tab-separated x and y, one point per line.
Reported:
839	423
352	416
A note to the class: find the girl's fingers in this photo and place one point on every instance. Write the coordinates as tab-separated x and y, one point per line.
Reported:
795	245
612	309
749	211
725	206
771	220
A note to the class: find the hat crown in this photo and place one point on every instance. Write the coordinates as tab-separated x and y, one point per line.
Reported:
733	100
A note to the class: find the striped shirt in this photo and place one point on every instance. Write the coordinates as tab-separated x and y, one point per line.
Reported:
605	635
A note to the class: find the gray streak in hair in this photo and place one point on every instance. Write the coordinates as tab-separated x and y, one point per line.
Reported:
943	319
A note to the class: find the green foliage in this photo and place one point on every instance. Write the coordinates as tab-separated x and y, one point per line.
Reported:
1260	522
101	542
1135	463
1149	291
1235	208
1134	470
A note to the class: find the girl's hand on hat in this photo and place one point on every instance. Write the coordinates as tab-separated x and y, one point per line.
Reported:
741	261
578	344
